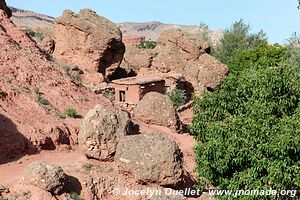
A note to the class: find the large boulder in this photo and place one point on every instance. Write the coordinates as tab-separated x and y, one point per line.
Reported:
158	109
136	58
45	176
101	130
48	44
4	7
188	54
90	41
151	158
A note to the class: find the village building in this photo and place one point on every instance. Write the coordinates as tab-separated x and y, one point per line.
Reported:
131	90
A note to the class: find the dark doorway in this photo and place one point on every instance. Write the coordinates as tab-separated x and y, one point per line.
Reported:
122	96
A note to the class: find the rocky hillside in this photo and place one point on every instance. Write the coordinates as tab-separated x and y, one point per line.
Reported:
151	30
35	90
29	19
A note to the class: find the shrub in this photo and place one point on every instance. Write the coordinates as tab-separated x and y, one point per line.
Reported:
247	131
147	44
71	112
177	96
43	101
108	94
37	91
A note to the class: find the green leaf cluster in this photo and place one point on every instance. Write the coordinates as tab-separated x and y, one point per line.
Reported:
247	132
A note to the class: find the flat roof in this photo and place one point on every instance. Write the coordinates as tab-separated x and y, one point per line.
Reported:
138	80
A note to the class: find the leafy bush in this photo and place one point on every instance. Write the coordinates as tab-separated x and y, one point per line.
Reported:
177	96
263	56
147	44
247	131
237	38
71	112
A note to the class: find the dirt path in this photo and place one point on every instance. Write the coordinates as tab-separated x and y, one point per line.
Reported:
13	171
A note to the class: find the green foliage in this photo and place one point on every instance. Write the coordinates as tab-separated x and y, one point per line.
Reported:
177	96
294	48
71	112
247	131
43	101
87	166
261	57
24	89
35	35
75	196
237	38
27	194
108	94
37	91
74	75
204	33
69	147
147	44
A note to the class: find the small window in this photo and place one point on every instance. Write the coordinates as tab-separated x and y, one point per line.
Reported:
122	96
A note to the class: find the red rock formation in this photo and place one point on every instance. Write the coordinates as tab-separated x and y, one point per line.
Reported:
188	54
89	41
34	92
133	39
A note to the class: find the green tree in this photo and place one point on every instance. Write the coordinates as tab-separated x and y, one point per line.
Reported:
205	34
247	131
237	38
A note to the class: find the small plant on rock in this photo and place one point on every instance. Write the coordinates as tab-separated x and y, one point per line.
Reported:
27	195
109	95
177	96
87	166
43	101
71	112
75	196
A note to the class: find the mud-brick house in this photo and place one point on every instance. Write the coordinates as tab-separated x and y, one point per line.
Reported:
131	90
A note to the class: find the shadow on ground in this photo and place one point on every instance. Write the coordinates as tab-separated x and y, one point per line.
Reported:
13	145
